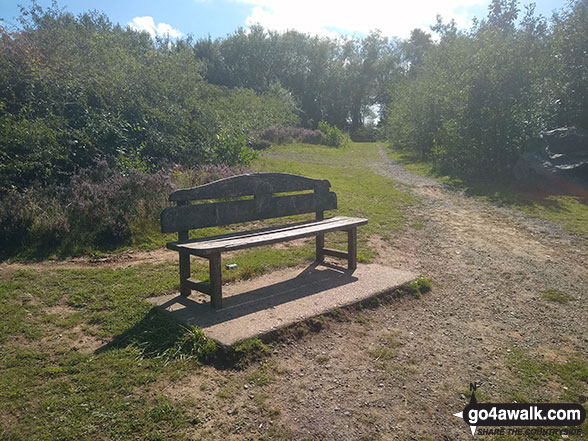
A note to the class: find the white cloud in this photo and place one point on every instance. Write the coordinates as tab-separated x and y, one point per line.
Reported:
147	24
328	17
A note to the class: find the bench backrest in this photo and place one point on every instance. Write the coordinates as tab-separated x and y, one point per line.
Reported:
263	205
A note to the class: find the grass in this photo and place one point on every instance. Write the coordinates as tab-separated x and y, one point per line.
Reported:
360	192
563	380
556	296
561	204
84	353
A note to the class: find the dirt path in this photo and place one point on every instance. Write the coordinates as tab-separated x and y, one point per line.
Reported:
399	371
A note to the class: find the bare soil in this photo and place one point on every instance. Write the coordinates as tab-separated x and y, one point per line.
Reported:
399	371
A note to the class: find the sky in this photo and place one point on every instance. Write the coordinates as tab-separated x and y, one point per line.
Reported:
218	18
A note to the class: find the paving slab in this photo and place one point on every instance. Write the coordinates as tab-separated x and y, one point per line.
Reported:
256	307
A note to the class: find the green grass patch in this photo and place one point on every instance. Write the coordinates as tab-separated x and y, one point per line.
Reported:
360	192
537	377
556	296
420	286
383	354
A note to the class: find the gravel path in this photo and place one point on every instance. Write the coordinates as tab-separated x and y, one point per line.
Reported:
490	266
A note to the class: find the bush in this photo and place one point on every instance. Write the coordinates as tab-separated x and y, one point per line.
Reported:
286	135
231	149
102	202
102	208
30	221
333	136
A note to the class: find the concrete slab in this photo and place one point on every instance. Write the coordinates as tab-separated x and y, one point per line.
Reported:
255	307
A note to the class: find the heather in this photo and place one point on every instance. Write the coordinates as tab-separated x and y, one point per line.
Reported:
326	134
102	208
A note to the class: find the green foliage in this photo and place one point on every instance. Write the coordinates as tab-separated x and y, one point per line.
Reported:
420	286
366	133
248	351
333	136
568	82
77	89
555	295
472	102
326	79
232	150
193	345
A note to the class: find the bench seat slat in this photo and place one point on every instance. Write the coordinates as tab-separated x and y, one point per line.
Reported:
236	241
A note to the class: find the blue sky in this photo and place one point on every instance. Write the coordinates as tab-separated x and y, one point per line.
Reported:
218	18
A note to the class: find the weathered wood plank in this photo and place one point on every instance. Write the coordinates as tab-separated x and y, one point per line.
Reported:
216	281
187	217
334	253
267	236
249	184
202	287
352	248
320	238
184	273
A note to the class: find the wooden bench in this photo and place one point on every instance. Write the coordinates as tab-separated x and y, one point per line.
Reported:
257	200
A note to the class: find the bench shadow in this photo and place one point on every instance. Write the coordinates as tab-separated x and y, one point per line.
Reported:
159	330
316	278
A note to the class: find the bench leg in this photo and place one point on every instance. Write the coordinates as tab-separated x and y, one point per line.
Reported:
184	274
320	245
352	248
216	281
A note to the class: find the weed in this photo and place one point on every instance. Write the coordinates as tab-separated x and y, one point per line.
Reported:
338	314
248	351
315	324
383	354
555	295
260	377
419	286
362	319
322	359
277	434
391	339
193	345
227	392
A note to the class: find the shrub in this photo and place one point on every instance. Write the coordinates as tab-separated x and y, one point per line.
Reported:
102	202
103	207
285	135
30	221
231	149
333	136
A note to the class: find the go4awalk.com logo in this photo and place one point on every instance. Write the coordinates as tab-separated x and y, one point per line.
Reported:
508	415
